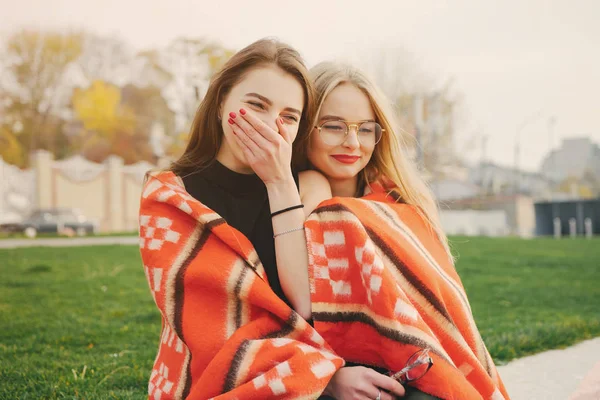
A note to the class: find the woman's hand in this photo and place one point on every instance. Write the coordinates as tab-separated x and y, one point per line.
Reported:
354	383
268	152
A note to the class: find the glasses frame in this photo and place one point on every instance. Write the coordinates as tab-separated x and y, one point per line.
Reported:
349	125
423	358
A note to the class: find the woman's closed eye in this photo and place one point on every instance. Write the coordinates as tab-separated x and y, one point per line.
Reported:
333	127
291	118
256	104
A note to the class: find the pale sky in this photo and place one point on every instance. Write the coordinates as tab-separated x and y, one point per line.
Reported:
509	59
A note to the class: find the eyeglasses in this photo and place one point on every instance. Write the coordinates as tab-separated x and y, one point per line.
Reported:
334	133
417	365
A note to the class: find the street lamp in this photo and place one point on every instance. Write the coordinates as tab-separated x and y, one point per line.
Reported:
517	174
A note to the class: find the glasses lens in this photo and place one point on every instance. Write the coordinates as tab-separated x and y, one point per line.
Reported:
419	363
333	132
369	133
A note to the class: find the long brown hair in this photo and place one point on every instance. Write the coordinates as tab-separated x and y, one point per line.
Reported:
206	133
390	158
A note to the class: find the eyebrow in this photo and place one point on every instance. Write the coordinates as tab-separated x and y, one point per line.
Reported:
269	102
336	118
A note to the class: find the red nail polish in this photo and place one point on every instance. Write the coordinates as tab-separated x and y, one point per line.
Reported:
230	121
281	121
232	114
242	111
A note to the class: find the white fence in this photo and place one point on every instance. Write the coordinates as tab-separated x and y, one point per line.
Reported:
475	222
108	193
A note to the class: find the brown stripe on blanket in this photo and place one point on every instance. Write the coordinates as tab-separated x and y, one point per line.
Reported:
235	285
254	261
230	379
179	280
286	329
179	295
188	376
419	246
400	266
238	303
393	334
481	351
332	208
410	276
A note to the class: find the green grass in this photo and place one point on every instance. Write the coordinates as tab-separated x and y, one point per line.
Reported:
63	309
531	295
66	309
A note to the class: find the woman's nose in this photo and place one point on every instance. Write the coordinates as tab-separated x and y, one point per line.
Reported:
351	140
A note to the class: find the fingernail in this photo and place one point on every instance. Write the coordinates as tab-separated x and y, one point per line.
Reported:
230	121
242	111
232	114
281	121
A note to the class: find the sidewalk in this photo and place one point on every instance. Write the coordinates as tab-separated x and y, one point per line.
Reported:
569	374
69	242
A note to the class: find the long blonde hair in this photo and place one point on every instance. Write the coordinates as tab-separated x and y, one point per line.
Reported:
206	134
390	158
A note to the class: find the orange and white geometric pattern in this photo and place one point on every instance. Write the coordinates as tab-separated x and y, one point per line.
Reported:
159	383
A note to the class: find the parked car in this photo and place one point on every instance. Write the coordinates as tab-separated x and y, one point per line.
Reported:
62	221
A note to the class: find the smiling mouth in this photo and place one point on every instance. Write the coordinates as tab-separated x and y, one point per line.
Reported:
345	159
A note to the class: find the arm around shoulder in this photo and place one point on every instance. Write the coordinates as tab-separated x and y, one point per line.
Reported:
314	189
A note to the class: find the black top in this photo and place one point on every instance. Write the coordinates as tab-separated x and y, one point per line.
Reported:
243	202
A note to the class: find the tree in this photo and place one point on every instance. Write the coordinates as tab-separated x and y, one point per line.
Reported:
155	120
100	110
121	121
177	145
11	150
183	70
427	111
106	123
107	59
80	92
149	107
36	90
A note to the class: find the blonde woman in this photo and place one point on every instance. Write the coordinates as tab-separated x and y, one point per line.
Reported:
383	285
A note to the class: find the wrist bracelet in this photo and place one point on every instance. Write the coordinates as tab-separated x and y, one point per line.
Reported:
287	209
290	231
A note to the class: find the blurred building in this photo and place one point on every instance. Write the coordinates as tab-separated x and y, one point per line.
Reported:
495	179
562	213
518	211
453	189
576	158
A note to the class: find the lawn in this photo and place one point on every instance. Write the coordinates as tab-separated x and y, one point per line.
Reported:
79	323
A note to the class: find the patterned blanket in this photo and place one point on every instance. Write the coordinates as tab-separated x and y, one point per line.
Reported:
225	333
383	287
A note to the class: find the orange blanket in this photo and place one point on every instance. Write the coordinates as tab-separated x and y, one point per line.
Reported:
225	333
383	287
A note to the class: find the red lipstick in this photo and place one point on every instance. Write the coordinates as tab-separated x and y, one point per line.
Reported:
346	158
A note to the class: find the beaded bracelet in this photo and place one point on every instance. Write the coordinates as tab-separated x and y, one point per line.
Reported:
287	209
290	231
